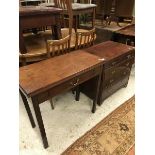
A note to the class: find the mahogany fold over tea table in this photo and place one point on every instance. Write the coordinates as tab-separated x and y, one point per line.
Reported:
43	80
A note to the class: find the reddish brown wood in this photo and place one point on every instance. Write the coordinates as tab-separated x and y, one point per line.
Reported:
36	16
118	62
47	78
37	77
128	30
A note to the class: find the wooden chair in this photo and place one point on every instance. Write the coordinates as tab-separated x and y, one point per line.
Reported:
75	9
85	39
66	5
36	47
58	47
55	48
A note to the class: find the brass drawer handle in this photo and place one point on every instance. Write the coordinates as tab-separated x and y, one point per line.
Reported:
76	82
127	40
113	63
113	72
127	64
129	56
124	73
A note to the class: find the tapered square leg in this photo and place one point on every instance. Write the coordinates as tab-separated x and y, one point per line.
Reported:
27	109
40	121
52	105
77	95
98	80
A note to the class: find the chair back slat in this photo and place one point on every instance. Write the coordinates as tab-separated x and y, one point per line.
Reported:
85	39
58	47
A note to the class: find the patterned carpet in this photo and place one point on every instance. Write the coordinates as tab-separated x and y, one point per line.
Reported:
114	135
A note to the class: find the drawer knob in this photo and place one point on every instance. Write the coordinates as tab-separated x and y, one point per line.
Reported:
127	64
127	40
113	63
76	82
129	56
124	73
113	72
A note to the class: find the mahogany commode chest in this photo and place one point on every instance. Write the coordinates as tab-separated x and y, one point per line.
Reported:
116	71
43	80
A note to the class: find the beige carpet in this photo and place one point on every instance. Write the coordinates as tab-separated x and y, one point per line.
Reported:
114	135
67	122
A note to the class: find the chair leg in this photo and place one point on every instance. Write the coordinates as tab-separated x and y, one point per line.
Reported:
52	105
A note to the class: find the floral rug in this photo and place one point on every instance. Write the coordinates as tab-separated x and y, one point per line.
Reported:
114	135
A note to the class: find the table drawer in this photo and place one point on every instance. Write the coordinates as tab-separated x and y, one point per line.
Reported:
116	61
69	84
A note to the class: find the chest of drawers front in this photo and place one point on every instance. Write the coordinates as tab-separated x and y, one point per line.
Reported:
116	70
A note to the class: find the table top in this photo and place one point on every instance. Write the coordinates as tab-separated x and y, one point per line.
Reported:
33	10
75	6
129	30
32	0
109	50
41	76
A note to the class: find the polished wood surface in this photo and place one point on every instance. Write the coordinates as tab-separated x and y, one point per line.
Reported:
36	16
37	77
109	50
36	10
31	2
116	71
125	35
43	80
128	30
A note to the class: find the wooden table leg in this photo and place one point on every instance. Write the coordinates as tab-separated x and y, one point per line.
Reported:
40	121
27	109
98	80
77	95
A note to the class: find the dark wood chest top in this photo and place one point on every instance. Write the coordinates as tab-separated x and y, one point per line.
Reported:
46	74
35	10
110	50
128	31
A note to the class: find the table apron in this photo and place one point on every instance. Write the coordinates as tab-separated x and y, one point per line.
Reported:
68	85
38	21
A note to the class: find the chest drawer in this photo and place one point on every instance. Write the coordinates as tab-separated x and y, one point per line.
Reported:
117	61
69	84
117	71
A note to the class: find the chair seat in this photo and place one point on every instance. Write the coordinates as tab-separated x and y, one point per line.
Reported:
75	6
79	6
36	43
